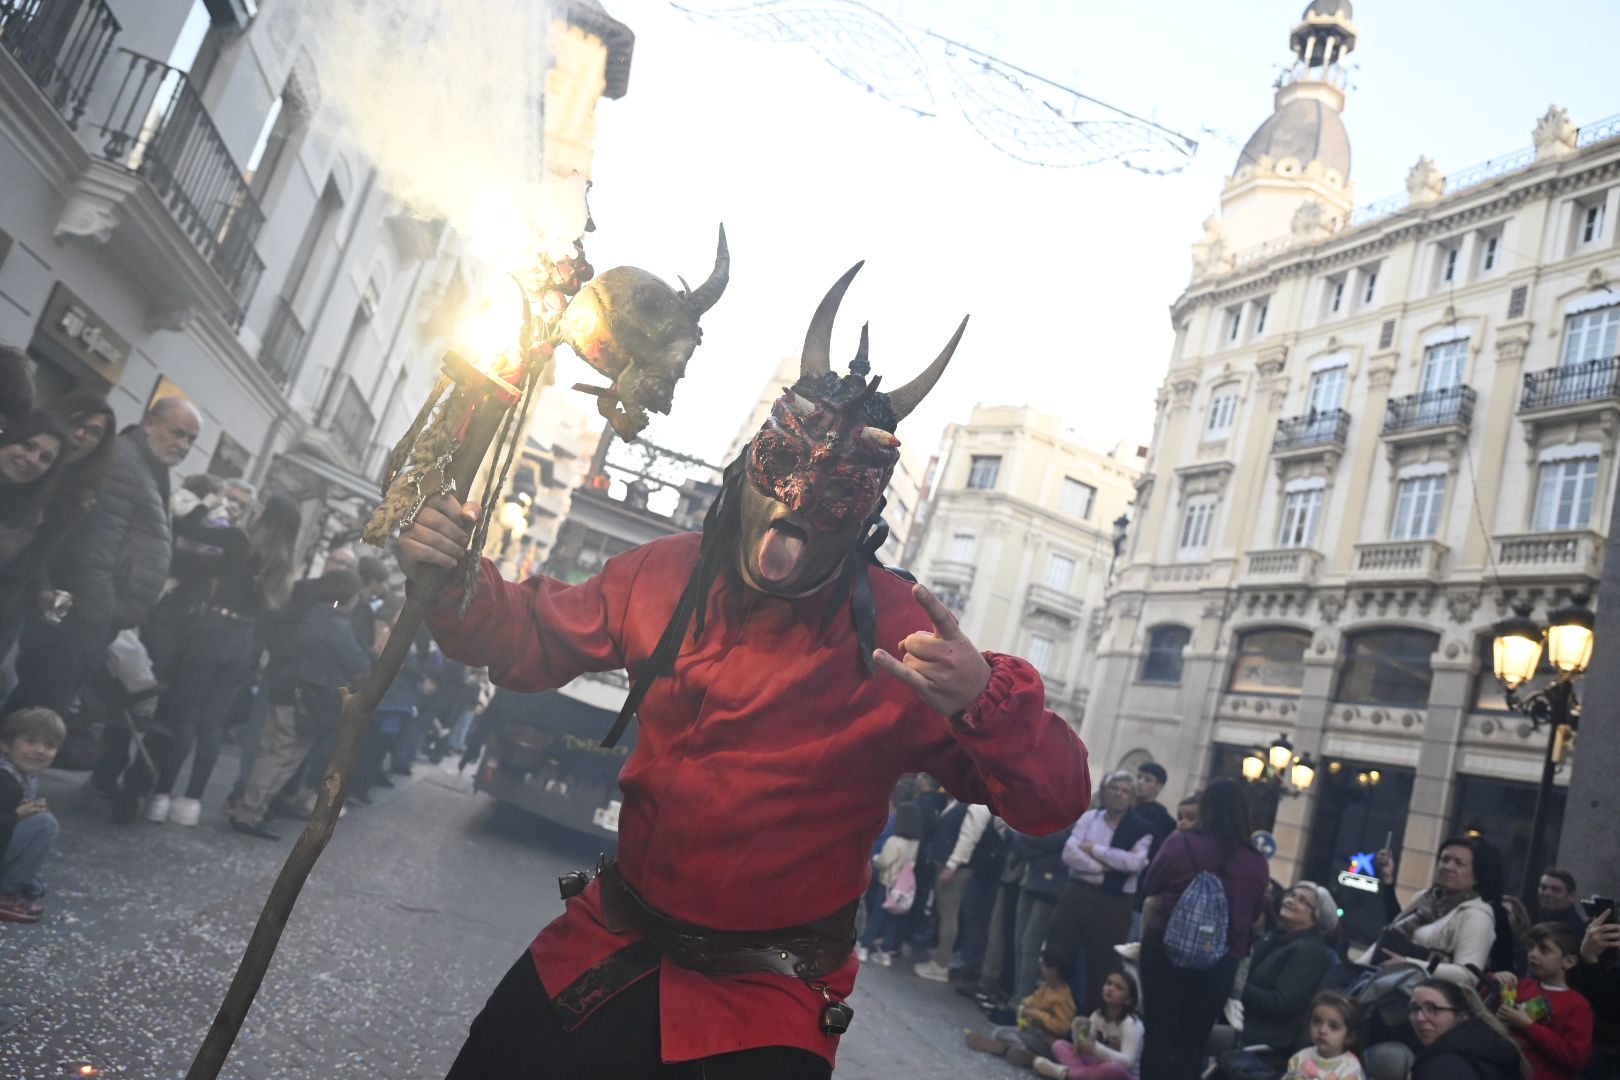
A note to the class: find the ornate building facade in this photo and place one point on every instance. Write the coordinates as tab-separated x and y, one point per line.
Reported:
1020	537
183	216
1381	425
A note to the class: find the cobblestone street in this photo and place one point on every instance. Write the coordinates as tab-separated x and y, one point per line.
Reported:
418	906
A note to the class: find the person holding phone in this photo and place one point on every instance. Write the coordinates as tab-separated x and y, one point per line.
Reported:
1597	978
1454	923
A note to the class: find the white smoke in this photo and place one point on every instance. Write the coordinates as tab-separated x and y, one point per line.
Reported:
446	98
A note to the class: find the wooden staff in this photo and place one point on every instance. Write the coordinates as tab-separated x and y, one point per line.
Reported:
483	421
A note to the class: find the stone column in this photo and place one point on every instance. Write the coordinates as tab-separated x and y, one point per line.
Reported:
1433	788
1310	725
1496	432
1248	486
1380	370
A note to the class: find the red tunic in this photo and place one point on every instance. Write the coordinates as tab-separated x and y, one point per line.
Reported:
762	767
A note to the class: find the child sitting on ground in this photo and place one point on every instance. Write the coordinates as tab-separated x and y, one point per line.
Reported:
1044	1017
29	739
1551	1023
1337	1025
1105	1046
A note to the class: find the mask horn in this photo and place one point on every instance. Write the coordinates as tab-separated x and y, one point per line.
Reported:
909	396
816	359
860	365
703	297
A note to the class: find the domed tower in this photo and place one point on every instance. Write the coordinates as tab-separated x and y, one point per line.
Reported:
1301	154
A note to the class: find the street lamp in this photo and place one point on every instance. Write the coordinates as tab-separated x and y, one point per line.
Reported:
1516	655
1121	525
1279	767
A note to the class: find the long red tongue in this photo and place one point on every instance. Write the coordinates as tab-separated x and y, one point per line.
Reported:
779	554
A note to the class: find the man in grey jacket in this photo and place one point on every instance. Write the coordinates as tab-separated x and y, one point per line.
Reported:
116	566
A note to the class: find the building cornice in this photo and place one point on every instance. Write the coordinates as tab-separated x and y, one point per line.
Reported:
1448	215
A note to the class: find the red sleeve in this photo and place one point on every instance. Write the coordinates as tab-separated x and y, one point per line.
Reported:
540	633
1014	754
1565	1037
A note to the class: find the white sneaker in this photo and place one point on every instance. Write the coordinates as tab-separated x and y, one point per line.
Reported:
157	809
933	972
184	811
860	953
882	959
1049	1068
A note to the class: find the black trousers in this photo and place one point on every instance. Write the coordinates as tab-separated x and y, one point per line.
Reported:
1179	1008
518	1037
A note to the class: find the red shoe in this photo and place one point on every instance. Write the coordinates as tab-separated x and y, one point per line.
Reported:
14	908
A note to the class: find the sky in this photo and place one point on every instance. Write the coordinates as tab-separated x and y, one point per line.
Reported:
1068	274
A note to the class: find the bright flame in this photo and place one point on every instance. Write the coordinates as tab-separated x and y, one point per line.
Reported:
88	1070
490	330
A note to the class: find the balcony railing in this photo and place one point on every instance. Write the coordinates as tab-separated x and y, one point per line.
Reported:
1293	564
352	422
283	343
158	127
1059	602
1571	384
1327	427
1400	560
1451	407
1553	554
60	44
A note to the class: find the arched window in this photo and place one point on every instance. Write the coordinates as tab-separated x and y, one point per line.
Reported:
1388	667
1162	664
1270	661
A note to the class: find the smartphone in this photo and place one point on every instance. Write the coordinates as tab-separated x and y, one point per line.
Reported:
1597	905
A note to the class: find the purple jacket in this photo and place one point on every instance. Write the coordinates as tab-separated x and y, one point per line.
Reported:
1183	854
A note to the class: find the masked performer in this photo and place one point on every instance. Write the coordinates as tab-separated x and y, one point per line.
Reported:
783	681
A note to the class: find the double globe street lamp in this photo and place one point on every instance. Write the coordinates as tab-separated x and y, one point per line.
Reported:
1516	658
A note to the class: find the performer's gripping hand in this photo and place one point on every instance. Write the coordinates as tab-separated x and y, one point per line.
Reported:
438	537
944	668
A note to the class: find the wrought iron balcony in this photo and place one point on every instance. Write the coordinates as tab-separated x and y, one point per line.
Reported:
1450	407
1571	384
352	422
283	343
60	44
1316	429
158	128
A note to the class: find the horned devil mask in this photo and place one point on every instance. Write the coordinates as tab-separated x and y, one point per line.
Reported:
803	498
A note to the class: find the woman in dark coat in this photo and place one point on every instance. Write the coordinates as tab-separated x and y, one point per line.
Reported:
89	423
1285	969
1461	1041
31	457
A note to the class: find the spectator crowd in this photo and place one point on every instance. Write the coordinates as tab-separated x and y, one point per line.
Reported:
1141	943
144	621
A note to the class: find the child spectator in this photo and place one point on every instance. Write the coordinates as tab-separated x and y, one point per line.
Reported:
1043	1018
1551	1023
29	739
1187	812
1106	1046
1337	1026
899	851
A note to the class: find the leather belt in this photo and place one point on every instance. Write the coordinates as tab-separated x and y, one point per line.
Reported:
810	952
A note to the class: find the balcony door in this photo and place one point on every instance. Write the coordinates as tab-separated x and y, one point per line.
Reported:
1442	374
1325	399
1591	343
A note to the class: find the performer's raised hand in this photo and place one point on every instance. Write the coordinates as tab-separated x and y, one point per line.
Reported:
943	667
439	535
